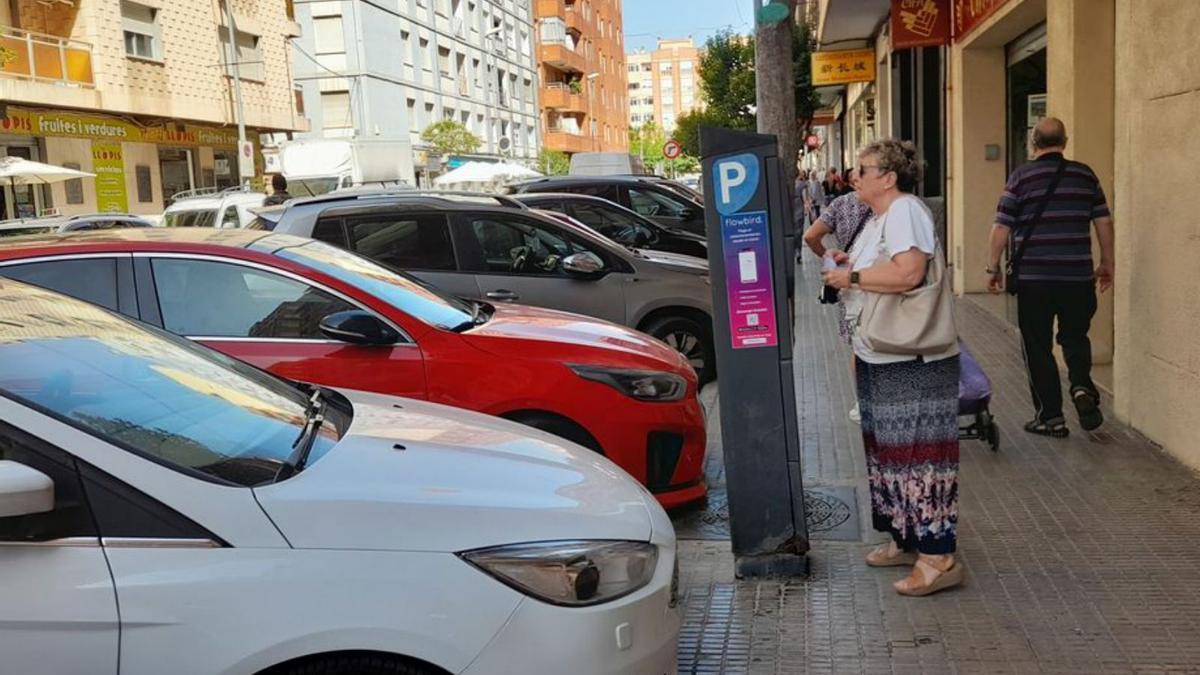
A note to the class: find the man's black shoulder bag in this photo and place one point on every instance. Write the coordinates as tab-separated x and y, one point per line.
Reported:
1010	271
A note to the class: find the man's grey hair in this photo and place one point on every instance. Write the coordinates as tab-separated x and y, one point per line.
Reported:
1050	132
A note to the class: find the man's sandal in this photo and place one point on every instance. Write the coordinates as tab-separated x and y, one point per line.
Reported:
885	555
1056	430
931	579
1090	417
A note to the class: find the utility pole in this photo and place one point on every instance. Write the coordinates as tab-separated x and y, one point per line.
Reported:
238	112
775	96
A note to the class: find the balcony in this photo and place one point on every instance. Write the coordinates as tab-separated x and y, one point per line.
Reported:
46	69
564	141
545	9
558	96
558	55
576	21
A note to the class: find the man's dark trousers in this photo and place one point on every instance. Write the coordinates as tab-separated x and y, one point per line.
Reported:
1073	303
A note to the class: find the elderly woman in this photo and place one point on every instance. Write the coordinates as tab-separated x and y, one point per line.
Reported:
844	219
909	404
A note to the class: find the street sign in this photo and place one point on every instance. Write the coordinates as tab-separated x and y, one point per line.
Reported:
672	149
812	141
245	160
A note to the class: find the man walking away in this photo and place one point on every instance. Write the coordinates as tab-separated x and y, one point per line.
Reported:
1045	218
816	194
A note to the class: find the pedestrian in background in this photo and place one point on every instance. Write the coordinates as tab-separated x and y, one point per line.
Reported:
816	193
844	219
830	185
1045	219
847	185
909	403
279	191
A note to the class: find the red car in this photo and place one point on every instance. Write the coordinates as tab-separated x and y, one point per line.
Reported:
312	312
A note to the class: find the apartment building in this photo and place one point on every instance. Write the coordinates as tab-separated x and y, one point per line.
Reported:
664	83
388	70
140	93
581	57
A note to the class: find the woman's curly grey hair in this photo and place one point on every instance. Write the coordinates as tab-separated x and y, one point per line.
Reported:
900	157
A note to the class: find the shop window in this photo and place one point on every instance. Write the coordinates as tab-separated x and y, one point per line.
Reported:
143	34
74	187
145	194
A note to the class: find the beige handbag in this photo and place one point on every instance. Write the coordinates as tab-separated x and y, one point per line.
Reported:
919	322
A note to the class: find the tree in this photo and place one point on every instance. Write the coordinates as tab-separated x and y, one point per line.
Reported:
450	138
807	100
553	162
775	46
687	129
647	142
727	80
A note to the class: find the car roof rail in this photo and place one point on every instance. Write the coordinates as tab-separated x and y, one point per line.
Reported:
210	192
501	200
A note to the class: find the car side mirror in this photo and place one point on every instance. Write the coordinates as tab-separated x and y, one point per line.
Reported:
24	490
583	264
358	328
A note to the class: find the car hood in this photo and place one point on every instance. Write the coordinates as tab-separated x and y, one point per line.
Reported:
674	261
416	476
523	322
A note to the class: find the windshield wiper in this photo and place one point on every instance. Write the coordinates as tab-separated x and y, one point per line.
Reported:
314	417
478	317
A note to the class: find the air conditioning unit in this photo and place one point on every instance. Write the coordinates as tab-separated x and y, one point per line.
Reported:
505	144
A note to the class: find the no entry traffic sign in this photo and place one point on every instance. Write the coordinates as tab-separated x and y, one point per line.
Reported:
672	150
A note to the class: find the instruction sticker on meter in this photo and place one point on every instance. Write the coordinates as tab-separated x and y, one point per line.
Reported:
748	280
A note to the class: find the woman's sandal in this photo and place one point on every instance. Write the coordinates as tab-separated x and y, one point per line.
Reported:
885	555
933	579
1057	430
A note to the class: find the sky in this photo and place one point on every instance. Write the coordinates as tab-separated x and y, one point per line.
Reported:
648	20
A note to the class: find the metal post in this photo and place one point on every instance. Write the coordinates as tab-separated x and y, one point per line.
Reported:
239	113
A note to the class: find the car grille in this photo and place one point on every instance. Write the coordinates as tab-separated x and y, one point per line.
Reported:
662	454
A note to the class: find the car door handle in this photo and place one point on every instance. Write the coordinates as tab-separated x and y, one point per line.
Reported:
502	294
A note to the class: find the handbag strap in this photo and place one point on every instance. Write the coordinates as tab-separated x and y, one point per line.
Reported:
1020	252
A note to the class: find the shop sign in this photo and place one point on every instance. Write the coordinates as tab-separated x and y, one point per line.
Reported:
842	67
103	128
970	13
920	23
109	166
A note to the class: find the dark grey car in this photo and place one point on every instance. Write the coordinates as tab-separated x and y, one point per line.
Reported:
659	199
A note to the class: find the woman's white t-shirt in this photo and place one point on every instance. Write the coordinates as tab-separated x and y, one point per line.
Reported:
906	225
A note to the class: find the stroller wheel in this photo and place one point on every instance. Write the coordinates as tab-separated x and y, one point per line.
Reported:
989	432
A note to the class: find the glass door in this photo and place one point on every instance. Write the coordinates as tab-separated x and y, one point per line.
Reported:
21	201
1026	96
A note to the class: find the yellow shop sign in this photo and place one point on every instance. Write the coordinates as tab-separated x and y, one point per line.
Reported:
103	128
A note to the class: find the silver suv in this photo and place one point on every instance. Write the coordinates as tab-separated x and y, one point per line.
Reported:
495	249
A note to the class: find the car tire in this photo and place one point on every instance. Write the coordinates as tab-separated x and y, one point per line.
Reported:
558	426
690	338
353	664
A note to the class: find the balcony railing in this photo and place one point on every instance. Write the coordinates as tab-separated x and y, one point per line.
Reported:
560	96
45	58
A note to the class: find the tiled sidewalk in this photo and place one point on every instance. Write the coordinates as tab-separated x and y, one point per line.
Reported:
1083	555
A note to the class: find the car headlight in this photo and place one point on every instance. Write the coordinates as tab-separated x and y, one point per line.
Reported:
644	385
571	573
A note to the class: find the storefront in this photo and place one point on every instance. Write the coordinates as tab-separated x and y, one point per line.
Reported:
138	166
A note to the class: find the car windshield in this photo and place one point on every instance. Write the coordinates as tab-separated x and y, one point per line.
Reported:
162	397
16	232
311	187
399	290
682	190
193	218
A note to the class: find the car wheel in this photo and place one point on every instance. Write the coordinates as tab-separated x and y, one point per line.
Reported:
352	664
558	426
686	336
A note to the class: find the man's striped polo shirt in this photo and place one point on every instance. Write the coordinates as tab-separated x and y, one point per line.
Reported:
1060	244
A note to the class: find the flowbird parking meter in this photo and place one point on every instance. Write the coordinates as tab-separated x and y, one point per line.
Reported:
750	248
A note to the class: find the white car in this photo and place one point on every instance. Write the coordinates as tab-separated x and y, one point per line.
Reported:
166	509
209	207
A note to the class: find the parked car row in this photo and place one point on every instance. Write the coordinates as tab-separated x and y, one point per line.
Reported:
166	508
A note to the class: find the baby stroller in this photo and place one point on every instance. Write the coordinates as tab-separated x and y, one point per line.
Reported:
974	395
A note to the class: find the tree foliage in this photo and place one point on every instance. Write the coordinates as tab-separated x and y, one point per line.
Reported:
647	142
553	162
450	138
727	79
807	100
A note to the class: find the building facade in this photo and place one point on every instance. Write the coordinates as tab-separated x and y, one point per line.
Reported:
664	84
1123	76
581	57
139	93
388	70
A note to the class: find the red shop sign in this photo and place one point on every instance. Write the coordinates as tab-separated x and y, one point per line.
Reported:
970	13
920	23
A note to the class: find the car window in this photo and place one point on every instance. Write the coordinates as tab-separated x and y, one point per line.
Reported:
406	293
203	298
515	246
19	231
90	279
198	218
601	190
613	222
230	219
417	242
163	397
330	230
70	516
650	203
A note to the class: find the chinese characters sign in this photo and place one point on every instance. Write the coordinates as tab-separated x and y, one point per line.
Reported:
970	13
842	67
920	23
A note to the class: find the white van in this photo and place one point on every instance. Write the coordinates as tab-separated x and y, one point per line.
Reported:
606	164
209	207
